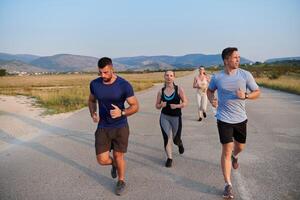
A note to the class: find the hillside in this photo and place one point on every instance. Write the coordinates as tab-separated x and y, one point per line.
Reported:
70	62
282	59
20	57
19	66
65	62
189	60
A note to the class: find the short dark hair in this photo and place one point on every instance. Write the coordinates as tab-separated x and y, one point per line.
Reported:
227	52
104	61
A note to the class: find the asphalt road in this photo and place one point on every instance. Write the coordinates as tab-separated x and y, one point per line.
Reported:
60	163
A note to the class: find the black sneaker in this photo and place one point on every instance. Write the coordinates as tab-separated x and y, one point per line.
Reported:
181	149
228	192
234	162
120	187
204	114
113	172
169	162
200	119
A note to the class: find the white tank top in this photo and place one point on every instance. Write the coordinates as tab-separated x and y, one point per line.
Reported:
202	84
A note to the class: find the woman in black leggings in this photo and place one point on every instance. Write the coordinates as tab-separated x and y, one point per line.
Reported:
171	99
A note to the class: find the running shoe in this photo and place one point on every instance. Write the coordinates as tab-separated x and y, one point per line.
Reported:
113	171
234	162
228	192
181	149
169	162
120	187
204	114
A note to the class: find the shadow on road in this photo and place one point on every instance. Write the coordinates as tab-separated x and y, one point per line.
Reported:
83	137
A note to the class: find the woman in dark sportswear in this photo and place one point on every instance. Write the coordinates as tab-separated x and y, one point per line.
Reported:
171	99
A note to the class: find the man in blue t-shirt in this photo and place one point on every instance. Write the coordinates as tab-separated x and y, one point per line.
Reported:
111	92
232	85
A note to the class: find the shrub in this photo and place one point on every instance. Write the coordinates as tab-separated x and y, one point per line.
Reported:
274	75
2	72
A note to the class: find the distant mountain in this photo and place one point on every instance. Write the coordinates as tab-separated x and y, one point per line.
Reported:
20	57
19	66
189	60
65	62
151	66
282	59
70	62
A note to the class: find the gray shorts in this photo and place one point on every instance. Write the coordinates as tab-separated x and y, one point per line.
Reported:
111	138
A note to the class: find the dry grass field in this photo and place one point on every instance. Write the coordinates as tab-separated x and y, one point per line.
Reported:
284	76
64	93
284	83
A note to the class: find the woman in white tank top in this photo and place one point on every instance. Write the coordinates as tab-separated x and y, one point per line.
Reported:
201	82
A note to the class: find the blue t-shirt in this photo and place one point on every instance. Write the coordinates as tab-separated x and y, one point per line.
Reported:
231	109
107	94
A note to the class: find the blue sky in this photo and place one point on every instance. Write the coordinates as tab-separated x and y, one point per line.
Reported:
118	28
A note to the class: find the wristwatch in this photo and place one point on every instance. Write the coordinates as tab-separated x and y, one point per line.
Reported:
246	96
123	113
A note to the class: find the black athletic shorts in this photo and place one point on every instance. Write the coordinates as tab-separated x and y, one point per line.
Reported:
228	132
115	138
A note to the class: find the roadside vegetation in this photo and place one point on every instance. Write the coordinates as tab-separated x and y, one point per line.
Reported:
61	93
69	92
283	75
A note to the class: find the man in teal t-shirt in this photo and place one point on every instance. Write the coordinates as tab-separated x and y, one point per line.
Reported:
232	85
